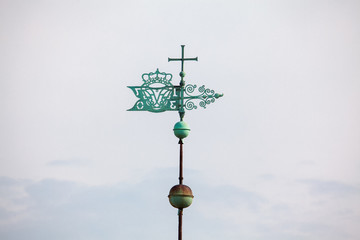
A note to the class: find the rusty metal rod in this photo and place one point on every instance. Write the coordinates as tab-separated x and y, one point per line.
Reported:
180	223
181	163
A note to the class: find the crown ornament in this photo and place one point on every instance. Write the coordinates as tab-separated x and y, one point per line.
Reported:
157	77
155	94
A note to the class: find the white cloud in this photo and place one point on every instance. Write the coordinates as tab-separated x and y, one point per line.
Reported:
62	210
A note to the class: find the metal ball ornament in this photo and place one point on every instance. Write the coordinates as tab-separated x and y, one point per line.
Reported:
182	74
181	130
180	196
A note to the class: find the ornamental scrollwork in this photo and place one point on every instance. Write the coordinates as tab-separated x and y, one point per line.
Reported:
157	94
205	96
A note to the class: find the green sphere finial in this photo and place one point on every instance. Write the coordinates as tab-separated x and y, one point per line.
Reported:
182	74
181	129
180	196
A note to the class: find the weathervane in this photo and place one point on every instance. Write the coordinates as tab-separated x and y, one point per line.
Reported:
157	94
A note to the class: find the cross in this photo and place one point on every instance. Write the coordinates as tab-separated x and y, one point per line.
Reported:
182	59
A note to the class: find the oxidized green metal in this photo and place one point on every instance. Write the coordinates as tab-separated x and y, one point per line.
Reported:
206	96
182	82
180	196
181	130
182	59
157	94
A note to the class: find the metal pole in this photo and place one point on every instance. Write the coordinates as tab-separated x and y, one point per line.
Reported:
180	224
181	163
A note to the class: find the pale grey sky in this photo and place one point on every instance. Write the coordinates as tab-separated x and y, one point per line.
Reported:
277	157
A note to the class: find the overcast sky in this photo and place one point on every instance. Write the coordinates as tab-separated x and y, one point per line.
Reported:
277	158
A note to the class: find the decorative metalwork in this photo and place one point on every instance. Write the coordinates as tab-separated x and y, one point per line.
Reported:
206	96
157	94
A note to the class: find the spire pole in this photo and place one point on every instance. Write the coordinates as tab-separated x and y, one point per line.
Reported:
167	97
180	224
181	163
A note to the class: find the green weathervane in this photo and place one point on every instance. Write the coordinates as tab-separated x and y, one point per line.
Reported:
157	94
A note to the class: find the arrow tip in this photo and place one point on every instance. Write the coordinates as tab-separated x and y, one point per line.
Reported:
218	95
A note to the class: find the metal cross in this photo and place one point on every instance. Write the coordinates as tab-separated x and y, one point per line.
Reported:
182	59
